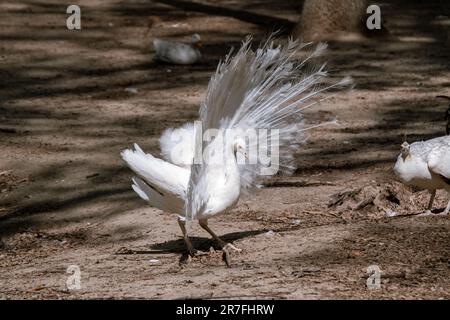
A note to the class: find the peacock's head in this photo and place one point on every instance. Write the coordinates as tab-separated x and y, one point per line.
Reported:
405	150
196	40
239	147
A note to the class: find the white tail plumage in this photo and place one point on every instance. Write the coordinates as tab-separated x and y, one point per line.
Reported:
267	89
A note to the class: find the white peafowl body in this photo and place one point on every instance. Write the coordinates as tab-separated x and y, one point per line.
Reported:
426	165
262	89
178	52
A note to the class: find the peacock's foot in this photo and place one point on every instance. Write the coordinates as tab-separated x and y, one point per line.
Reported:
197	253
226	249
190	255
229	246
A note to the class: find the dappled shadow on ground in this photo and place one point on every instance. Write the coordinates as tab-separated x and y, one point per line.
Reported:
396	82
66	113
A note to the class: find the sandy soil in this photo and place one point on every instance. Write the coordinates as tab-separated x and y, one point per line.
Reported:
65	196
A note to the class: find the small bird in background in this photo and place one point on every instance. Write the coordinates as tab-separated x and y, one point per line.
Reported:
178	52
447	114
262	89
426	165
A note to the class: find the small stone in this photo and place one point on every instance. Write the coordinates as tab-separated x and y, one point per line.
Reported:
154	261
355	254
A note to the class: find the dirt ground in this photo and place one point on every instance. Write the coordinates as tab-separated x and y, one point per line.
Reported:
69	105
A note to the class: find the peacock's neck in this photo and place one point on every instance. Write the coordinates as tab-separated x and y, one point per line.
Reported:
231	168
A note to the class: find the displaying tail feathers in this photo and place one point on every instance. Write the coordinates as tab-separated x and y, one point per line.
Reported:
267	89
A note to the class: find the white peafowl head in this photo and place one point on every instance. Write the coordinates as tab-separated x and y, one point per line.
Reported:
196	40
239	147
405	150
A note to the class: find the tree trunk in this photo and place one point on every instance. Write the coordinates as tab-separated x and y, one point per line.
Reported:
326	19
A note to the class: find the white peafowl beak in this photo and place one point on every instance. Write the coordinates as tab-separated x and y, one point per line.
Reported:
239	147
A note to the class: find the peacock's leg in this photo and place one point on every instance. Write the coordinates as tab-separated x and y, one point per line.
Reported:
190	247
226	247
204	224
430	205
428	213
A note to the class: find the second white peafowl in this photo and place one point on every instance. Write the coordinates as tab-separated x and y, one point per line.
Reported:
178	52
426	165
203	175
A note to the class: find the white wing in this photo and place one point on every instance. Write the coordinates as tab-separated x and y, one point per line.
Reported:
163	185
156	198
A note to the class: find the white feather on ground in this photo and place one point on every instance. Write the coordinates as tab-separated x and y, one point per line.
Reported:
262	89
426	165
